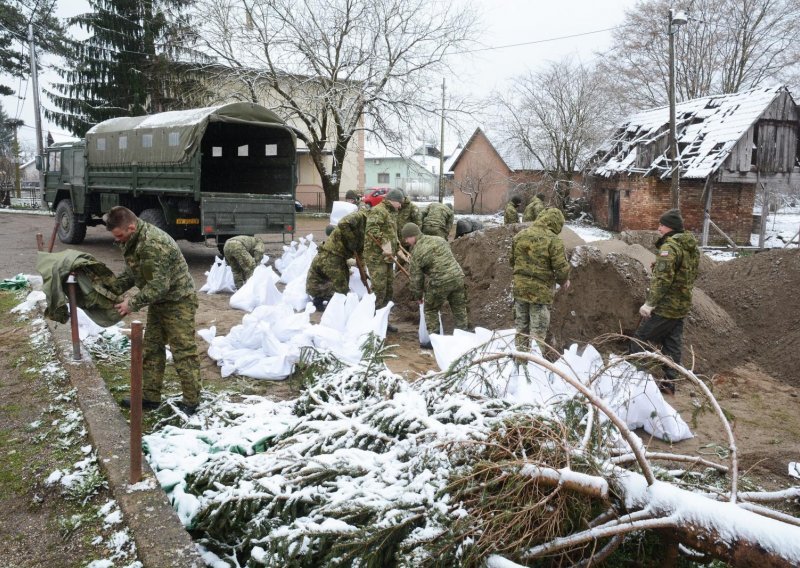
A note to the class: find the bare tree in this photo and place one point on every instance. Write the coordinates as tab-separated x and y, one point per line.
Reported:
558	115
727	46
332	66
475	181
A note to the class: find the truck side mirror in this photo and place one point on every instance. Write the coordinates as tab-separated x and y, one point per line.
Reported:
39	163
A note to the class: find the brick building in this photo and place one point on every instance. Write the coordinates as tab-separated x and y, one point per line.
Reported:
728	146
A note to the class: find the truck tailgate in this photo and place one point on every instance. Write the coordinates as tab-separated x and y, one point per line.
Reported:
246	214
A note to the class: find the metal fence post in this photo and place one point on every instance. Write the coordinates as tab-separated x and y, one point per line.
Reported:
136	402
72	294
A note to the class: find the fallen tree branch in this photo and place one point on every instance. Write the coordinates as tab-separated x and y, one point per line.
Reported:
628	458
591	485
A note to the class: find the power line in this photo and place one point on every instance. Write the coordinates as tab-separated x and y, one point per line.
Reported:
534	42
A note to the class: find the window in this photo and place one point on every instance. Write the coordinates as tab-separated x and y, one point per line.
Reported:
243	151
174	138
271	150
101	144
54	162
383	178
123	142
216	151
147	140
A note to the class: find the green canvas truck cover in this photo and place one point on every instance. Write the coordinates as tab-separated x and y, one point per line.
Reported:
168	137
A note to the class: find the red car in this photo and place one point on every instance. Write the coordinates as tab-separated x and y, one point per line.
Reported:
375	195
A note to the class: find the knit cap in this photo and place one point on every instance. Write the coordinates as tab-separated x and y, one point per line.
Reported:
395	195
672	219
410	230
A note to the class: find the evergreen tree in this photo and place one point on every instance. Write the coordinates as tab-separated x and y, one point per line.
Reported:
136	61
48	34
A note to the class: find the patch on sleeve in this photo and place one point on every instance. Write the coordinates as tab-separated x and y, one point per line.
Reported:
665	253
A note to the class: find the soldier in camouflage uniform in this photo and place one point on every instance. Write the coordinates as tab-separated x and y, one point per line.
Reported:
437	220
533	209
329	272
670	297
157	268
539	262
408	213
436	277
380	245
243	254
511	214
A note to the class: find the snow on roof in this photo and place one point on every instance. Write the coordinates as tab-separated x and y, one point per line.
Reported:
708	128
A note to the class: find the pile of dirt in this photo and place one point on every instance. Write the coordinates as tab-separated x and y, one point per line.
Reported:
483	255
760	294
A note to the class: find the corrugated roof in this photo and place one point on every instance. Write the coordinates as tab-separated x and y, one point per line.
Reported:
708	128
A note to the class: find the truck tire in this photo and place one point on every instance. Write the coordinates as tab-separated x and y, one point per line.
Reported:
155	217
70	230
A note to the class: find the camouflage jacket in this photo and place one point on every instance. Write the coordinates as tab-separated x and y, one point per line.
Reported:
538	259
156	266
673	275
437	219
510	216
433	266
253	245
532	210
352	227
408	213
381	227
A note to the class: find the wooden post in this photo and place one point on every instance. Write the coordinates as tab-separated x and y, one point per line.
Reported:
762	233
706	212
136	402
72	294
39	242
53	237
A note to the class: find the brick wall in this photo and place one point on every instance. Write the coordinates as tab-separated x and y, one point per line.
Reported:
642	200
480	167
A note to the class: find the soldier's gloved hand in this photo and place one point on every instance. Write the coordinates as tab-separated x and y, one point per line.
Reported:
646	310
386	249
351	262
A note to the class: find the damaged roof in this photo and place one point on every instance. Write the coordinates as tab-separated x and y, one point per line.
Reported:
708	128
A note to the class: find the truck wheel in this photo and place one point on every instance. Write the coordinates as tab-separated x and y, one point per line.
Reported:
70	230
154	217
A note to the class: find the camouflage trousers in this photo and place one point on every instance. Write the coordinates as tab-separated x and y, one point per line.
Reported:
242	263
381	276
534	320
435	298
327	274
171	323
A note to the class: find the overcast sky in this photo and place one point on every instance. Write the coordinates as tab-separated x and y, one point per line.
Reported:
536	24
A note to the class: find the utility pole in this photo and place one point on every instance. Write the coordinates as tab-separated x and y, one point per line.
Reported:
675	20
441	152
37	109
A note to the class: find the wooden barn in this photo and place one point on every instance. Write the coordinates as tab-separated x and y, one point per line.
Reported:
730	148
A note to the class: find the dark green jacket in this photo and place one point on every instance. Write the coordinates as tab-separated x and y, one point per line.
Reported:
674	274
511	215
437	220
156	266
538	259
352	227
381	227
433	266
254	246
408	213
95	286
532	211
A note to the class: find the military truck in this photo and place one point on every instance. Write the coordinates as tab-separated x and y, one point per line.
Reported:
208	172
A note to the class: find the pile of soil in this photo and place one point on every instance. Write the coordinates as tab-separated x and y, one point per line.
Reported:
760	294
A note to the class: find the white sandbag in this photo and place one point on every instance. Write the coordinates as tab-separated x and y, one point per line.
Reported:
356	285
340	209
208	335
298	267
219	278
423	328
259	290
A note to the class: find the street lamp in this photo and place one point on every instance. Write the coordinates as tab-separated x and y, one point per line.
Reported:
676	19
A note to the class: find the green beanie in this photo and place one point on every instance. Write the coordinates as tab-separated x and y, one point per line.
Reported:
409	230
351	195
395	195
672	219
